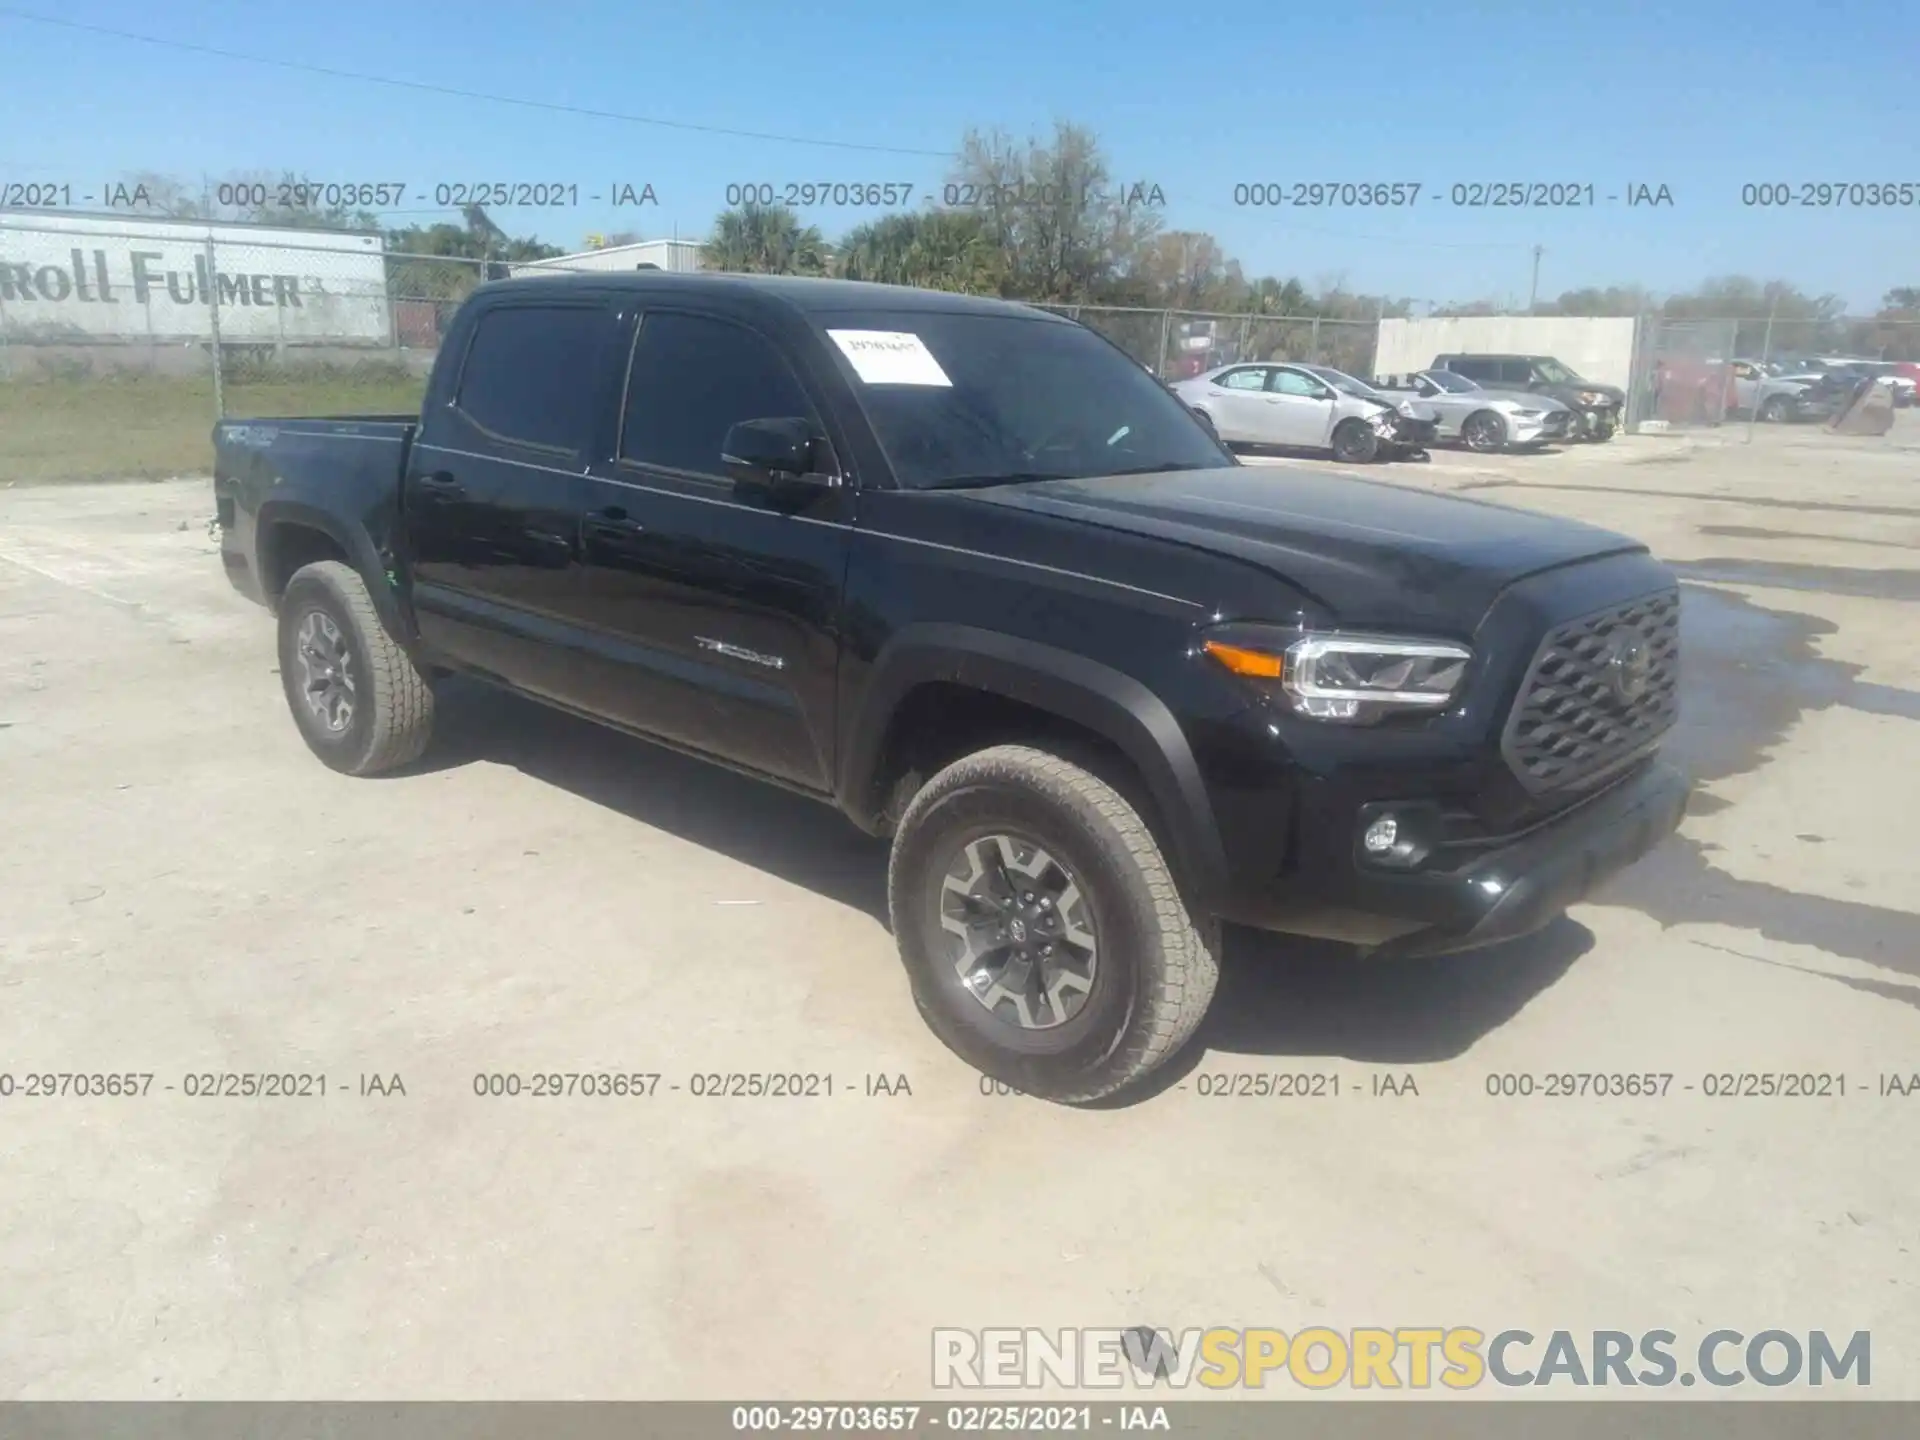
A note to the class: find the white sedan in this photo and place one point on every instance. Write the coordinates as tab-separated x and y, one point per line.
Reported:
1292	406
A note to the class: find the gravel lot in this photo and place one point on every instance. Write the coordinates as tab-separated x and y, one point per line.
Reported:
183	890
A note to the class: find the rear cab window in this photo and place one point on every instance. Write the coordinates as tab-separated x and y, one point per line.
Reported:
533	375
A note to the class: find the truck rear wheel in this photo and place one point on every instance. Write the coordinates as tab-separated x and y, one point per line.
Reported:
1046	940
359	701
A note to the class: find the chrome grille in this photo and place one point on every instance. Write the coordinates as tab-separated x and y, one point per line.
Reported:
1601	690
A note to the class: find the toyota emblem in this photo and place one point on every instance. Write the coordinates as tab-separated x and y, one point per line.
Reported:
1629	669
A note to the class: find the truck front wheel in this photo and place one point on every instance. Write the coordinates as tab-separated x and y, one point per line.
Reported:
1044	935
359	701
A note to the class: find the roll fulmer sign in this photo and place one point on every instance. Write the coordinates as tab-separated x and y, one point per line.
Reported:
79	280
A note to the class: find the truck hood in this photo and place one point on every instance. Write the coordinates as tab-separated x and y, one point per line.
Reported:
1369	552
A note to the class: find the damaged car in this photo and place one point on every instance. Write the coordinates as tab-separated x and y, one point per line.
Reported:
1481	419
1306	407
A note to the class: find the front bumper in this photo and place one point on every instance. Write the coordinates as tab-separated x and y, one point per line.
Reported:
1544	431
1593	421
1806	412
1512	889
1527	885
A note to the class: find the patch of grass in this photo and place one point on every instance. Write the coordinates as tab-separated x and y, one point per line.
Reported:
148	427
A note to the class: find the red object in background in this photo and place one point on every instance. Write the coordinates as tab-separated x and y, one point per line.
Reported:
416	324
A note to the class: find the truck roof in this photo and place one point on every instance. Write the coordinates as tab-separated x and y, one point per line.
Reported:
798	292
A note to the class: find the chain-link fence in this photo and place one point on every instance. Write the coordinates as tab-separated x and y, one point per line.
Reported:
1683	373
1176	344
1701	373
121	341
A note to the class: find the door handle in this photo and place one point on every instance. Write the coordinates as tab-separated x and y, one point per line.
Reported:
441	482
613	523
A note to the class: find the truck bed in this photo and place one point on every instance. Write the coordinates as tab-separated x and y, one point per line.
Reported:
318	468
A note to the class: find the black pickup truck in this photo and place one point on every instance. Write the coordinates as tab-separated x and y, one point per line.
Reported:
967	572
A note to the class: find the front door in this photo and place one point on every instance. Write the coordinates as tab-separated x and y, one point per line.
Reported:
715	611
1302	415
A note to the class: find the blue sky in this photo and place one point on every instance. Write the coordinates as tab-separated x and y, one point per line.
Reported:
1696	95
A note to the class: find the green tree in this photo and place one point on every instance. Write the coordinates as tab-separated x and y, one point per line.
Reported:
765	240
1597	300
931	249
1062	226
445	262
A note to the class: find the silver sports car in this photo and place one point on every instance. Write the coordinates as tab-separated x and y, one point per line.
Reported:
1483	420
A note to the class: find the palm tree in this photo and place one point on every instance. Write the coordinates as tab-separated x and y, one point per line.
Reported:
765	240
934	249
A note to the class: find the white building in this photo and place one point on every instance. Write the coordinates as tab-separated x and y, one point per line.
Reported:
682	256
104	280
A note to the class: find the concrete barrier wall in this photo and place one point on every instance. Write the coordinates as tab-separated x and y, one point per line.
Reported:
1598	347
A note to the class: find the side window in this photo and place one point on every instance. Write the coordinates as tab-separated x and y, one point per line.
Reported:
1468	366
1292	382
1517	372
1247	379
692	379
532	373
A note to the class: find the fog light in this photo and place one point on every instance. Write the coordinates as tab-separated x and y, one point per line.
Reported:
1380	836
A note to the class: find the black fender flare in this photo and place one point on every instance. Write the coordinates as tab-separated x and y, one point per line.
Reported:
362	554
1113	705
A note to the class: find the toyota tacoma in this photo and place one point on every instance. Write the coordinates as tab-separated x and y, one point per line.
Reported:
966	572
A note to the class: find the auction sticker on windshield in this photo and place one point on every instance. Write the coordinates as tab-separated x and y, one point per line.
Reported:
890	357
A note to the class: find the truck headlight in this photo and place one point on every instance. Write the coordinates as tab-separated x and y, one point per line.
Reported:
1590	397
1350	679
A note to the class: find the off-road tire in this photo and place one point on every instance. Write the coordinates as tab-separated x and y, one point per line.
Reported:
392	718
1158	965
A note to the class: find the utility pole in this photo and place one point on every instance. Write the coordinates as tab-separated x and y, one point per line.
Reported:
1533	291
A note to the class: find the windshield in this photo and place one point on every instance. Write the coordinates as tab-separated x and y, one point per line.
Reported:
1554	373
1340	380
1022	399
1446	380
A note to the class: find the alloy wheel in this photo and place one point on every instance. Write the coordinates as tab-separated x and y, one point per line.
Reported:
326	671
1026	945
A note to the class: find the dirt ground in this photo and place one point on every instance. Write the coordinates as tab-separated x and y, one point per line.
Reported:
185	892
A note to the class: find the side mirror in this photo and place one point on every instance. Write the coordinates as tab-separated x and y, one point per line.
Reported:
773	455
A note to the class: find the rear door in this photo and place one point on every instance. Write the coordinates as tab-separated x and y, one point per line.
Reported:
1477	368
492	495
1237	397
714	611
